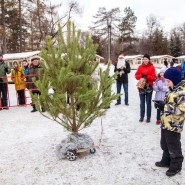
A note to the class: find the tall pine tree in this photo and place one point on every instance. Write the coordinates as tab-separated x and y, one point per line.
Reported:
67	68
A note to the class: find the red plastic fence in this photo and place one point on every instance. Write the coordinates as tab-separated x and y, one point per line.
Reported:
26	93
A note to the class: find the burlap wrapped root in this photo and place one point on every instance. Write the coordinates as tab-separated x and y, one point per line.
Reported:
74	142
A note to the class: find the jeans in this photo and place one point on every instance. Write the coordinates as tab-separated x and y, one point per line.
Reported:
3	95
171	146
125	87
147	97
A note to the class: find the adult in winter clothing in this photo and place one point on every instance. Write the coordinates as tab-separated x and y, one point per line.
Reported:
34	73
166	64
160	87
4	70
172	120
165	67
123	68
17	76
145	72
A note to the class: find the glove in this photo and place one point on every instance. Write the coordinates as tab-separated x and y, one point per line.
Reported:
159	105
144	75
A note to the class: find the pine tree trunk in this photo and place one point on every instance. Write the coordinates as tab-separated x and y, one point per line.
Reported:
73	107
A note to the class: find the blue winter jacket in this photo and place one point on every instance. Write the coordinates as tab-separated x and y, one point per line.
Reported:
183	67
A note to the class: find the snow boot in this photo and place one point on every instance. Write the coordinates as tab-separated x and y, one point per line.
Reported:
162	164
34	108
171	172
148	120
43	110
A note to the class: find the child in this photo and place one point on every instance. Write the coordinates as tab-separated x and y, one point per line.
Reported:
160	87
17	76
172	120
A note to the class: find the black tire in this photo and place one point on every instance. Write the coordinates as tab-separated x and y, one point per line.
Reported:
71	155
92	150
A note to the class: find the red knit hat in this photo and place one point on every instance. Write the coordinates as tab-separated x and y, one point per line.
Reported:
121	56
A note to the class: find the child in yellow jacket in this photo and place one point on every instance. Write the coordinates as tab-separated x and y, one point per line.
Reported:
17	76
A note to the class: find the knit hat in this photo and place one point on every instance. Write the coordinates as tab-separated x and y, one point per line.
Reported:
121	56
146	56
173	74
162	70
35	58
15	62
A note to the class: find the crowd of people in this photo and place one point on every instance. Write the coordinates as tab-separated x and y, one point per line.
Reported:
22	78
169	99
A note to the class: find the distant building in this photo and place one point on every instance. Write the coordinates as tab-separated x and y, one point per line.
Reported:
181	58
134	60
158	60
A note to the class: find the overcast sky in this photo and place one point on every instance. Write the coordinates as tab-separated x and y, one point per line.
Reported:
171	13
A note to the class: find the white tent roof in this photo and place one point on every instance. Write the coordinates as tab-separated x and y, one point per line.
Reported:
161	56
181	57
133	56
23	55
99	56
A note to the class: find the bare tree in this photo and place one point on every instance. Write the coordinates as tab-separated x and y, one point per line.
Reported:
152	24
3	32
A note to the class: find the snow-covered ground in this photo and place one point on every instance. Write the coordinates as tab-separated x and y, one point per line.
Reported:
126	156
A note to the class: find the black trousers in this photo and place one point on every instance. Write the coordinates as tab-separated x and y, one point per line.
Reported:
3	94
35	92
21	97
171	146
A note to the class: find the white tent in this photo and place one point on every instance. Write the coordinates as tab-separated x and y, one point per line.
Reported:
20	56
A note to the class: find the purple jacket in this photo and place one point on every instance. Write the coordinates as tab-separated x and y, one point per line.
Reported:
160	86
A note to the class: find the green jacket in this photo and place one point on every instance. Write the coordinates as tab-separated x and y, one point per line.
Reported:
3	71
174	109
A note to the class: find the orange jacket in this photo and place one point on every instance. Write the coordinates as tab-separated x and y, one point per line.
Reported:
17	76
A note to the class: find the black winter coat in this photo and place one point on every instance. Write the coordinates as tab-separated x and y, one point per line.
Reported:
33	72
124	77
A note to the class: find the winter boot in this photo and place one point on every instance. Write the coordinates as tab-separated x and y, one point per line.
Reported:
34	108
162	164
171	172
43	110
148	120
141	120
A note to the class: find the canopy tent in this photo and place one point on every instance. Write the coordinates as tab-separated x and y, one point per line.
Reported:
20	56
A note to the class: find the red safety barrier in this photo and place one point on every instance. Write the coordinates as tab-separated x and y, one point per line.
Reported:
11	93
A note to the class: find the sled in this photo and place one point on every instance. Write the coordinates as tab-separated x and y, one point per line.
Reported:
71	155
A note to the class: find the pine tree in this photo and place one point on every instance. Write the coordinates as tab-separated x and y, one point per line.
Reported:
67	68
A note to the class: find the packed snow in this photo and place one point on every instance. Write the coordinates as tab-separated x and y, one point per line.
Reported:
126	150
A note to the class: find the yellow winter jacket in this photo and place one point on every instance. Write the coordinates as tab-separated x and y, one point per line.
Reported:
174	109
17	76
